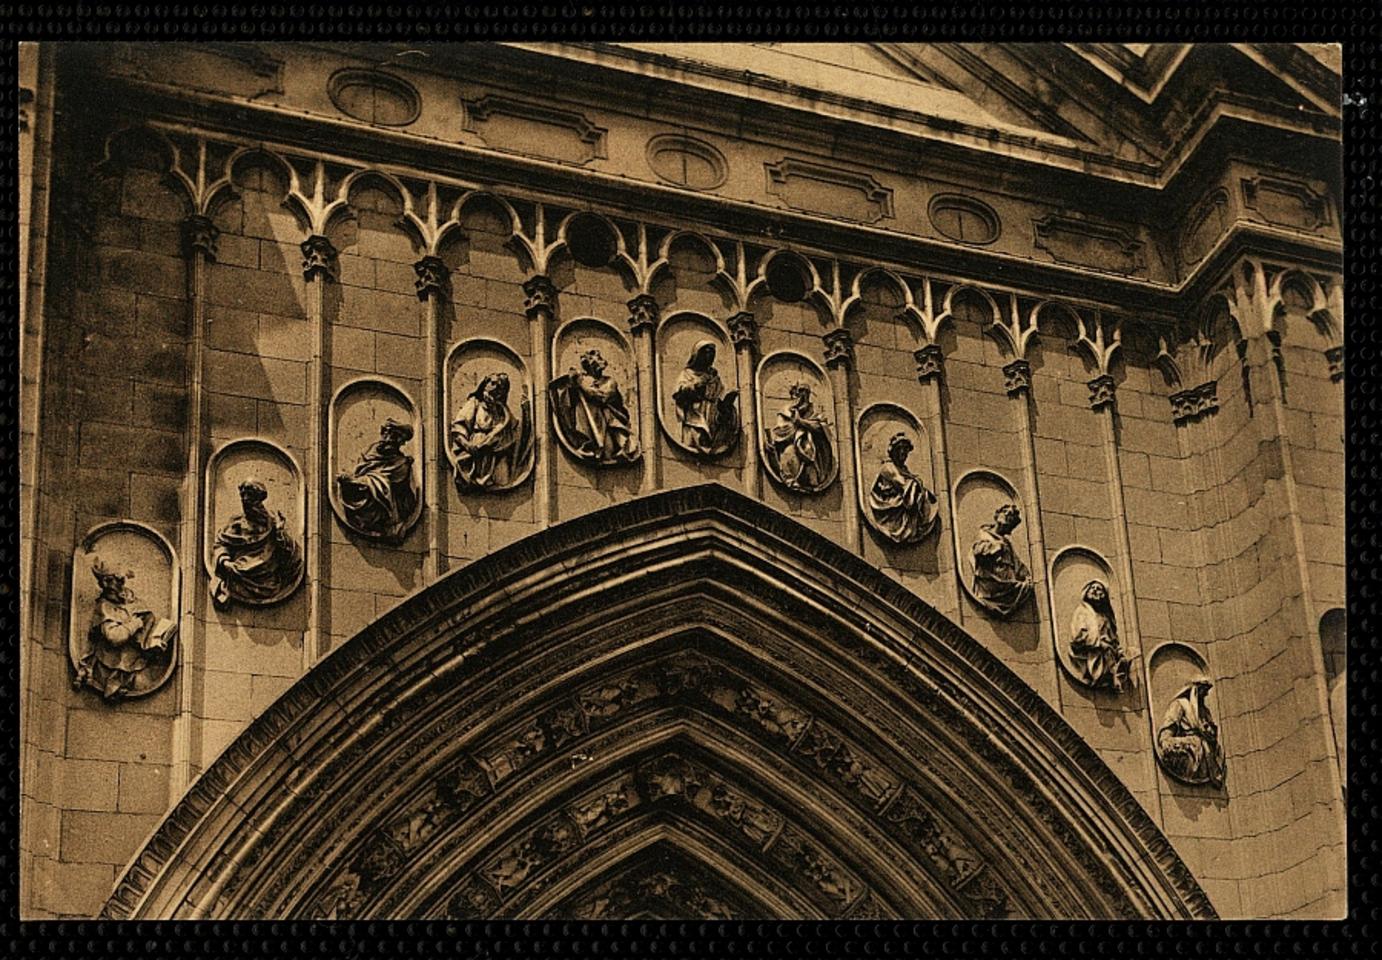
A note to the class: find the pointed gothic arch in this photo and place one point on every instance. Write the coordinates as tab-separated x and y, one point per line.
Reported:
684	705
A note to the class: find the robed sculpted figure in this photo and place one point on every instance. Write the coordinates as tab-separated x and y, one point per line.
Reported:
798	449
1094	647
1001	580
380	496
255	559
589	412
490	447
709	414
901	507
1187	741
125	638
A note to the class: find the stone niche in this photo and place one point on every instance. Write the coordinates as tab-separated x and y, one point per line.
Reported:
358	411
252	458
571	343
874	429
123	643
1072	570
1174	669
508	463
778	374
678	337
978	494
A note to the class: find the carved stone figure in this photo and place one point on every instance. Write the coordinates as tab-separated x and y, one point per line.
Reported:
380	497
255	560
1187	740
590	416
903	510
125	639
708	414
1094	647
799	450
489	446
1001	581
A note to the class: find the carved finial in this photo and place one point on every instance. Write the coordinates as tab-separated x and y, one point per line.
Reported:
318	257
540	296
929	361
199	234
1017	377
743	330
432	274
839	347
1101	392
643	312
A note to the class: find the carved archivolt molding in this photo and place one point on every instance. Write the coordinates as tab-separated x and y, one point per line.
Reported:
535	716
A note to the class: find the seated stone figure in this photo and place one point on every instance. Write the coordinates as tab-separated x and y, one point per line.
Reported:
1187	741
798	450
380	496
900	506
489	446
1001	581
254	561
125	638
590	416
1094	647
709	415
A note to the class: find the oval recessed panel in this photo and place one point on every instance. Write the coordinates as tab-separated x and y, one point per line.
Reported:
374	97
686	162
963	219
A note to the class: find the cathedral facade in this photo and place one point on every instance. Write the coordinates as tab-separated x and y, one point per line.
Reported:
705	480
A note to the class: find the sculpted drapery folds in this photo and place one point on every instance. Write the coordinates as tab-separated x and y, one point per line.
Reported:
708	414
1001	582
1094	646
489	445
590	416
125	637
799	451
380	497
901	507
255	560
1187	740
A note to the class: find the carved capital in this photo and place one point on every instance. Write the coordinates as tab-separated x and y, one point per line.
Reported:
1017	377
539	297
929	361
1195	403
1335	356
432	274
643	313
743	330
199	235
839	348
1101	391
318	257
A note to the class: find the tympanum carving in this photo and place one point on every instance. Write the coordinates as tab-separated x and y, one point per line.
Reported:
589	414
377	491
122	645
490	446
1187	738
254	554
799	448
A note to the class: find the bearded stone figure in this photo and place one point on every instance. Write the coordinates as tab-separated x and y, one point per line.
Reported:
1002	582
709	414
590	416
255	560
798	450
125	638
1187	741
901	507
490	447
1094	647
380	497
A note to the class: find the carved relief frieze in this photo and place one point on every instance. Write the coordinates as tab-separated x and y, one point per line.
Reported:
831	191
490	439
594	394
253	550
377	486
516	126
1089	243
698	406
651	890
798	445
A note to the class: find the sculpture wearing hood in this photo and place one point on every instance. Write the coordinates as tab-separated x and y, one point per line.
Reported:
1094	647
709	415
1187	740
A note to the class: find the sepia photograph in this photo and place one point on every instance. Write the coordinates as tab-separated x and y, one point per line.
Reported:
607	480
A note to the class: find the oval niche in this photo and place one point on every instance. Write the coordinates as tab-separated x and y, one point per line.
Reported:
1091	631
374	97
686	162
978	495
489	410
263	552
797	435
698	398
373	441
897	501
126	602
1188	744
594	394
